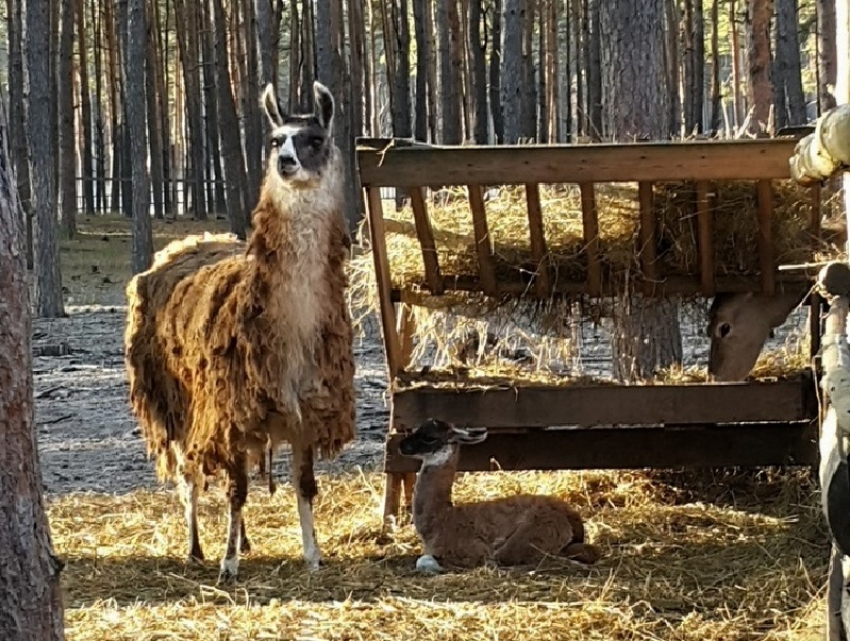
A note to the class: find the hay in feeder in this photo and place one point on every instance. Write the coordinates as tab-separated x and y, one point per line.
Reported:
690	557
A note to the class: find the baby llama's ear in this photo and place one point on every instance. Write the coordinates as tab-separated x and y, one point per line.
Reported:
469	435
324	105
271	106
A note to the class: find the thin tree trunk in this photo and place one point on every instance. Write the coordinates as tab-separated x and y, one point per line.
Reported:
308	52
553	67
688	59
296	58
737	77
542	134
17	135
116	115
478	55
253	117
433	77
579	43
126	144
39	119
568	67
234	158
760	87
161	111
214	174
358	54
496	60
716	97
594	74
450	61
85	107
672	61
788	82
423	42
827	54
512	64
99	131
153	122
134	72
30	591
67	137
267	29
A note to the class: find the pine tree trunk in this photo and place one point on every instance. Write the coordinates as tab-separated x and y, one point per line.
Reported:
827	54
295	55
231	145
153	120
477	47
423	43
134	72
358	54
553	67
568	75
99	167
672	61
116	114
252	117
760	87
495	74
512	64
267	28
39	119
688	59
528	109
698	85
161	111
308	53
213	172
737	77
542	134
433	76
788	81
450	67
67	137
30	592
635	100
716	97
579	44
17	135
594	74
399	47
85	109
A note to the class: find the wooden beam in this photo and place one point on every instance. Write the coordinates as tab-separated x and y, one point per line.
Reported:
767	260
815	299
747	445
520	164
600	405
425	233
647	238
542	277
590	229
685	285
482	241
705	236
377	235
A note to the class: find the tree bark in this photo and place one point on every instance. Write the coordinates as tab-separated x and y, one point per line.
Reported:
85	111
594	73
398	30
553	67
528	108
495	74
234	158
67	137
737	76
827	54
423	43
251	109
134	71
357	41
478	55
152	100
512	62
760	88
672	60
116	115
17	135
99	133
30	592
37	86
450	78
788	83
716	97
698	85
268	13
635	101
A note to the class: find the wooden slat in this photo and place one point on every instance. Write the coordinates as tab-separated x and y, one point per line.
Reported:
542	278
590	229
647	238
482	240
747	445
766	249
406	334
815	299
425	233
685	285
515	165
377	234
589	406
705	221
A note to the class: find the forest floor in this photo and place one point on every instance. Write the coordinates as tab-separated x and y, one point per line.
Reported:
740	555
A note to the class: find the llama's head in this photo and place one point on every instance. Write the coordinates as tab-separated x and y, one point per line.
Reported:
302	147
739	325
435	440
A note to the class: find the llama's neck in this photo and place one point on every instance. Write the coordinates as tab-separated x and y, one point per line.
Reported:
432	496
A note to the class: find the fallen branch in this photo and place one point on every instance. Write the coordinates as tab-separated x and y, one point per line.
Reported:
824	153
53	421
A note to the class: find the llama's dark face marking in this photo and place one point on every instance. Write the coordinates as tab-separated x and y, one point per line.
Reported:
434	436
301	145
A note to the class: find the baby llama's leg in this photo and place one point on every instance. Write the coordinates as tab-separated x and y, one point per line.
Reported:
244	543
188	487
237	490
306	490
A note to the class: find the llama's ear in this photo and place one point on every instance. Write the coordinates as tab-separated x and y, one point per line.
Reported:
470	435
271	106
324	105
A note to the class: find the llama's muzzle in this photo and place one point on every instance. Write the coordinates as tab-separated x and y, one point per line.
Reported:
287	165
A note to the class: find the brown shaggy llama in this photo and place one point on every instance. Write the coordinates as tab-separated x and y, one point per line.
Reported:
233	348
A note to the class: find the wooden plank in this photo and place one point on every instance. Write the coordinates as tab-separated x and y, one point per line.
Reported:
542	278
647	237
685	285
589	406
425	233
767	260
705	236
406	334
516	165
748	445
590	229
482	240
383	279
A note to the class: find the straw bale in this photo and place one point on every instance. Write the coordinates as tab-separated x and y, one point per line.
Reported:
738	555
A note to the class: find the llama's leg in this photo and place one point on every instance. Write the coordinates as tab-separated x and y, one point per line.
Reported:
237	493
189	498
244	543
306	490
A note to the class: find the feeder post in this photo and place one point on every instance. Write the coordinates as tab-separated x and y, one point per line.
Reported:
590	230
767	261
705	222
647	237
539	252
482	241
425	232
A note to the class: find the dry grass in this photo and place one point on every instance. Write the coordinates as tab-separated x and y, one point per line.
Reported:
96	263
687	556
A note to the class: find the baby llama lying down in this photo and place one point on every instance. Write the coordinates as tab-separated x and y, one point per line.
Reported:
234	349
515	530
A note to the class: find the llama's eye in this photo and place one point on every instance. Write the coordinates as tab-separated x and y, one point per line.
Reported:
316	143
277	141
723	330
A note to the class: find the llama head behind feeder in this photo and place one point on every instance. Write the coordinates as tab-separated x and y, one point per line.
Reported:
302	147
434	441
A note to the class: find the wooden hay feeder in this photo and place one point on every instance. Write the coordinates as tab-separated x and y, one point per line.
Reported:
589	426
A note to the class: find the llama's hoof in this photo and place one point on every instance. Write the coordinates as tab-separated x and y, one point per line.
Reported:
314	564
229	572
427	563
195	559
245	546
